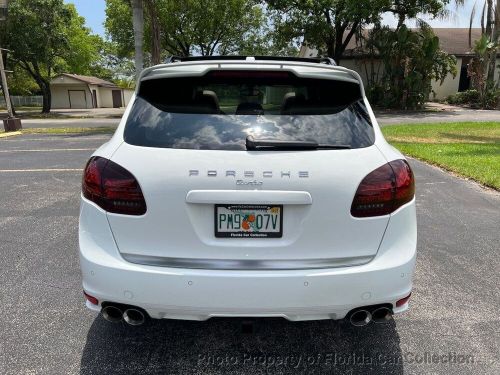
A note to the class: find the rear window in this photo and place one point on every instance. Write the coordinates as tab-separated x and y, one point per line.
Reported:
219	110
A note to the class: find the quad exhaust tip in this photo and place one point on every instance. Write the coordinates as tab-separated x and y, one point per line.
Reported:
112	314
134	317
360	318
382	315
363	316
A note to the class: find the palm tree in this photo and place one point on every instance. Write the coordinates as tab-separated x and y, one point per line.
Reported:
490	26
495	36
138	22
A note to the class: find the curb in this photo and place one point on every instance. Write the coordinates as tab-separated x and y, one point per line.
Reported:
10	134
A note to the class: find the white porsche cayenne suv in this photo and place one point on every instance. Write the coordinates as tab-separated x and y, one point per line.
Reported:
248	187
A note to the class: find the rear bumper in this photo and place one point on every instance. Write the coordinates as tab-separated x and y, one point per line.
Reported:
198	294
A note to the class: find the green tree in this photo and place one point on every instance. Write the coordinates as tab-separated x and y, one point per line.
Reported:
411	60
327	25
21	83
486	49
119	26
405	10
207	27
479	69
187	27
48	37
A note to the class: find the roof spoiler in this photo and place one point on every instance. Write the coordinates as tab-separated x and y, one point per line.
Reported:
314	60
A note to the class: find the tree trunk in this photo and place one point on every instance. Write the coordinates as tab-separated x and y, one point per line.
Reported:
495	39
47	97
138	22
155	33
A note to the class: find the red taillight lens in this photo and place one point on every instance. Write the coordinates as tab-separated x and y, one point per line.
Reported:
91	299
402	301
384	190
405	183
112	187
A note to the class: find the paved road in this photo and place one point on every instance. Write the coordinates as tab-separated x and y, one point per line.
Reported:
384	118
45	328
70	123
458	115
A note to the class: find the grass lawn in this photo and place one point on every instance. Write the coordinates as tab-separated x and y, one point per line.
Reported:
470	149
86	131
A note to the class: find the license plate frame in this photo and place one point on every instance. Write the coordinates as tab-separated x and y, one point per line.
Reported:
246	233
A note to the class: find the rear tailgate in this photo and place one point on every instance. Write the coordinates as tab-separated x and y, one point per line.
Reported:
316	189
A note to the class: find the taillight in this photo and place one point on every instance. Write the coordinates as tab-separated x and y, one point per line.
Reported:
112	187
384	190
402	301
91	299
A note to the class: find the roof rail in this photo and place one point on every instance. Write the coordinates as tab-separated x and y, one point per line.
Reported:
316	60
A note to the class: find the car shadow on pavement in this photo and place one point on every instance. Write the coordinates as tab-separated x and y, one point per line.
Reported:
226	346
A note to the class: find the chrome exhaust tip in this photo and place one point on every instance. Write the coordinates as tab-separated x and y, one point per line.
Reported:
112	314
382	315
134	317
360	318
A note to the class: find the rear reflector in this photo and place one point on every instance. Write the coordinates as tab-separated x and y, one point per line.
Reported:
91	299
384	190
402	301
112	187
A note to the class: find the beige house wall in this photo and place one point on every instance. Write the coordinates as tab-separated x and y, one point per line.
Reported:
60	87
449	85
60	95
127	96
105	98
364	69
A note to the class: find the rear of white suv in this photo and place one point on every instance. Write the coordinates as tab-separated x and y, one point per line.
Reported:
252	187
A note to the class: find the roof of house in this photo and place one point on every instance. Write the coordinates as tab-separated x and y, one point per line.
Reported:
90	80
454	41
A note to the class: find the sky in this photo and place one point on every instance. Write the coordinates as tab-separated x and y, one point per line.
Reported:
93	11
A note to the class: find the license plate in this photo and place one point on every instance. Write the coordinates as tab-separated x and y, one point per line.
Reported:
248	221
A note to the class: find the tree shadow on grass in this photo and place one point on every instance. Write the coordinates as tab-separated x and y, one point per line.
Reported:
471	150
220	346
464	138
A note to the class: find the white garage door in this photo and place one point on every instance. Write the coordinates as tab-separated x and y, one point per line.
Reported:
77	99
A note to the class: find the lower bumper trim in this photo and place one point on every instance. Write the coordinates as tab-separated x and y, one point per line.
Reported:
245	264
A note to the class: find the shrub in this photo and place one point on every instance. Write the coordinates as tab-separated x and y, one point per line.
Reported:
468	97
489	100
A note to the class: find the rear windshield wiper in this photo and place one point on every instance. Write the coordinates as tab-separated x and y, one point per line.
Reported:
253	144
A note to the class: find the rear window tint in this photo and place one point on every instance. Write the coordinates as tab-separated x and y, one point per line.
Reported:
219	110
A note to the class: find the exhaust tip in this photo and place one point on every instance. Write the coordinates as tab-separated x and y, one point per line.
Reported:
382	315
360	318
134	317
112	314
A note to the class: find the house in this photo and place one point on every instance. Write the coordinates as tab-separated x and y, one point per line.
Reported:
84	92
454	41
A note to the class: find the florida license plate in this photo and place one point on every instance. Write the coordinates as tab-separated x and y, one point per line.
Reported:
248	221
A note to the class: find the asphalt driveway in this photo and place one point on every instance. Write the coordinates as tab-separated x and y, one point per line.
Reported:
453	325
110	117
